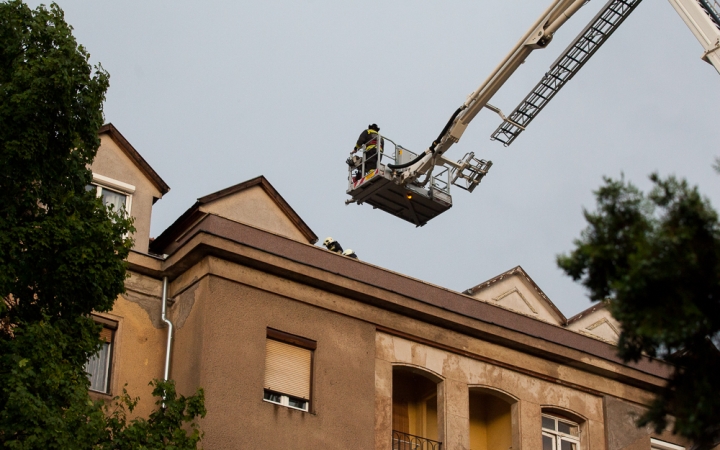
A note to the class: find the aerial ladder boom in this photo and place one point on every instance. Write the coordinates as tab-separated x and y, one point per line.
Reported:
701	16
703	19
408	188
538	36
396	187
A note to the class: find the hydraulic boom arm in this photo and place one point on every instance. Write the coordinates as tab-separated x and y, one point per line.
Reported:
396	187
701	16
538	36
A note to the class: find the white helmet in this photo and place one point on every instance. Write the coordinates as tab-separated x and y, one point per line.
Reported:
328	240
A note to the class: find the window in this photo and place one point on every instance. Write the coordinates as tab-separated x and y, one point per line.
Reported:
98	366
288	370
491	420
114	193
559	434
415	421
657	444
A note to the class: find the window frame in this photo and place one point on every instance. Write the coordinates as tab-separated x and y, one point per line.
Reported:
300	342
285	400
112	327
558	436
657	444
102	182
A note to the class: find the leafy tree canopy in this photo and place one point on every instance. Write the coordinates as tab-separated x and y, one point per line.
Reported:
656	259
61	251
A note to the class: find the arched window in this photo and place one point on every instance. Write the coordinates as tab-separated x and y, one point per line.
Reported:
414	409
559	433
491	418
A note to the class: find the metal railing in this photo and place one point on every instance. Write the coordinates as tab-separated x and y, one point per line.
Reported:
440	181
357	164
405	441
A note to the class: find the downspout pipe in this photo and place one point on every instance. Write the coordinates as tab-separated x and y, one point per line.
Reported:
163	315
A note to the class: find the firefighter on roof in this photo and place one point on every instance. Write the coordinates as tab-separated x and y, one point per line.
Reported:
333	245
350	253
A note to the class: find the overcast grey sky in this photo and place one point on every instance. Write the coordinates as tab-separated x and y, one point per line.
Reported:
215	93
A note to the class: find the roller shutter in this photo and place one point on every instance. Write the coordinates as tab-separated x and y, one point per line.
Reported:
106	335
287	369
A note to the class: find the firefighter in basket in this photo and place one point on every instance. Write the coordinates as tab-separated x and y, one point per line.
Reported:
368	138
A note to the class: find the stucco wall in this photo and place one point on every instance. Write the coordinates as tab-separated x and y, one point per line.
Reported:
138	353
221	347
623	434
112	162
459	374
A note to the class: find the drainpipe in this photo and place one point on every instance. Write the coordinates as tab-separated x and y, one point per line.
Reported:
170	328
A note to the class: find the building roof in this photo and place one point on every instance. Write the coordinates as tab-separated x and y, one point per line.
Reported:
162	243
135	157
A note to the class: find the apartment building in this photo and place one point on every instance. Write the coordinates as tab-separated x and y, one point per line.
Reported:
297	347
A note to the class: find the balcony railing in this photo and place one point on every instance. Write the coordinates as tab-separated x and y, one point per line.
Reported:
404	441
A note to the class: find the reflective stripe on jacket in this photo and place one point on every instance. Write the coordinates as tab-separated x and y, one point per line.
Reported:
368	138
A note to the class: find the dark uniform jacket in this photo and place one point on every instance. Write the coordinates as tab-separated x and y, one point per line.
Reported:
369	139
335	246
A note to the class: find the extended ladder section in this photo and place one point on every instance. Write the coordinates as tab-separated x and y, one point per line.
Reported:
565	67
712	9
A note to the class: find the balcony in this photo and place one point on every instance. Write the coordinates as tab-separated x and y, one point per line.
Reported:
416	423
404	441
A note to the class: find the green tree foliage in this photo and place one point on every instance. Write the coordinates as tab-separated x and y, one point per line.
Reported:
61	251
163	429
656	259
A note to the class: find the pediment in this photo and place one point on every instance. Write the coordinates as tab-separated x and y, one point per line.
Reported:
254	202
258	204
515	291
254	207
596	322
515	300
